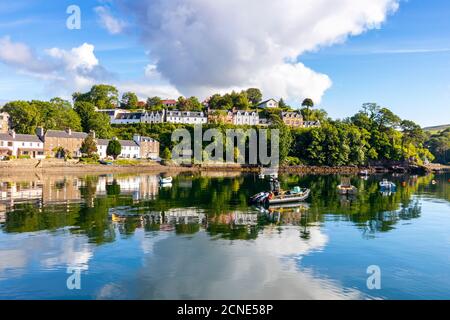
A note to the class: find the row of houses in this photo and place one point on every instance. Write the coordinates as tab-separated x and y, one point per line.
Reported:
50	143
234	116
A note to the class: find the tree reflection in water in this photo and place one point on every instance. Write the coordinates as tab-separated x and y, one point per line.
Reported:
103	207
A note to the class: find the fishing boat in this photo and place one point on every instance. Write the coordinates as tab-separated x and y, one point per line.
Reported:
277	197
387	185
167	180
346	188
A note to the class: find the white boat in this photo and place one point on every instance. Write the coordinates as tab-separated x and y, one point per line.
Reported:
387	185
167	180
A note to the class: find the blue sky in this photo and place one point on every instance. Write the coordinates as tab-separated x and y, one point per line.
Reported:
404	64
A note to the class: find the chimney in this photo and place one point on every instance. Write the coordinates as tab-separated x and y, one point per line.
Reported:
69	131
12	133
92	133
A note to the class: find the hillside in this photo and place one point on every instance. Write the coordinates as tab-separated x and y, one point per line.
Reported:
436	129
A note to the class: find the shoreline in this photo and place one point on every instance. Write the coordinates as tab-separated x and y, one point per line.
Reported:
54	166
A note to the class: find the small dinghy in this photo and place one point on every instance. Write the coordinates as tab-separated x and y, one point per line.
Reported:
387	185
167	180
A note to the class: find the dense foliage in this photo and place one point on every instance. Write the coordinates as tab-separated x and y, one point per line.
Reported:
439	145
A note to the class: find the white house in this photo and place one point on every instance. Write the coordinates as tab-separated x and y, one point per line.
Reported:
127	118
112	113
130	149
21	145
153	117
186	117
169	103
245	117
271	103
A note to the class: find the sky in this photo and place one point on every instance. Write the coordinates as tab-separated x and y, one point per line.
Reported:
340	53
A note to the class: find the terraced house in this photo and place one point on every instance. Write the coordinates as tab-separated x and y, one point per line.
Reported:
58	142
21	145
292	119
186	117
130	149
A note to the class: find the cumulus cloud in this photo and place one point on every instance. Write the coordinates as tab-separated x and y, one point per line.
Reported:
109	22
74	69
201	46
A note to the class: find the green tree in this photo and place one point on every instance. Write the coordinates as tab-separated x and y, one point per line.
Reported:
254	95
129	100
154	104
309	104
114	148
25	117
58	114
101	96
89	146
92	120
166	154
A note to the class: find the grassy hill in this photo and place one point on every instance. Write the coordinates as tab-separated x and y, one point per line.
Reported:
437	129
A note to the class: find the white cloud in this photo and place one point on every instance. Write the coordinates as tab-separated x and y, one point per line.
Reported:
21	56
67	70
202	45
110	23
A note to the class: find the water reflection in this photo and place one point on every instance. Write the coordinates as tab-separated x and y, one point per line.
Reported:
196	239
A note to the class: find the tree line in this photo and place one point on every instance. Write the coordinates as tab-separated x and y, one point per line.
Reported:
373	134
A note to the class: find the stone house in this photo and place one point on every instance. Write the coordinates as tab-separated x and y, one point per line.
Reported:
292	119
149	148
55	140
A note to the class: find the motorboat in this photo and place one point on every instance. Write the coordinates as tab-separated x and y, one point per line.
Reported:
279	197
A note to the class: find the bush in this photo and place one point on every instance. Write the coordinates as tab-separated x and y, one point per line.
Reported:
293	161
24	157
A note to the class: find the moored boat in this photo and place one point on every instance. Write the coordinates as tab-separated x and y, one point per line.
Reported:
278	197
387	185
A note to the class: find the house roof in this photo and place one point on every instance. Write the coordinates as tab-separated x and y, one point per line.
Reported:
123	143
169	101
129	116
291	114
65	134
20	137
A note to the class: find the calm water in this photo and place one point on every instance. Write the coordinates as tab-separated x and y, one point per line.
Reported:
130	239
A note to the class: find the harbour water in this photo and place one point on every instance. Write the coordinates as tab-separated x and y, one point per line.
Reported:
125	237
